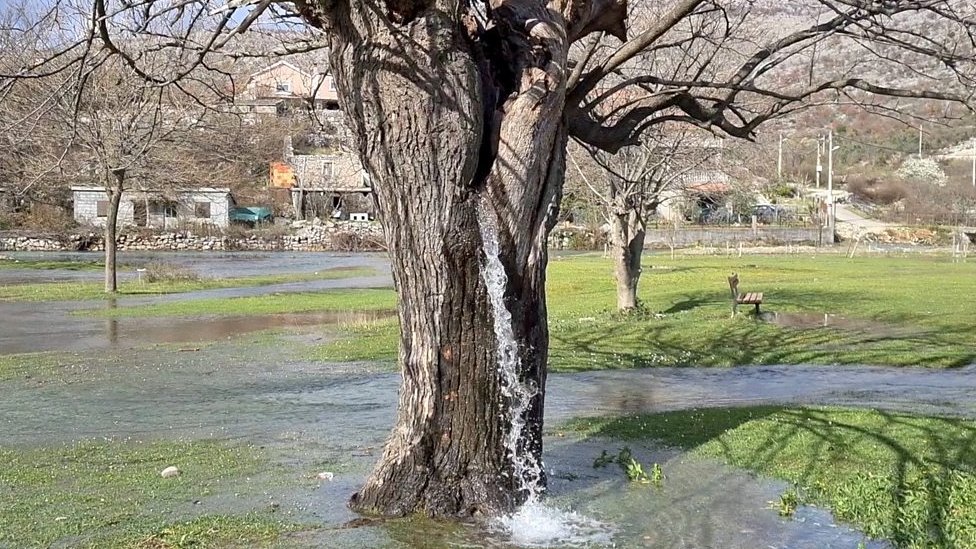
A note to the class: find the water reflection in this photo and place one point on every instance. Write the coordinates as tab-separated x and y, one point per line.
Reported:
112	323
807	321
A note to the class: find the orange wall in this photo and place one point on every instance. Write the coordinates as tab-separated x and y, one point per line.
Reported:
282	176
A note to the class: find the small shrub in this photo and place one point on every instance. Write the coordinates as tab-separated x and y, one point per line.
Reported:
354	242
630	466
43	217
788	502
925	170
603	460
166	272
657	473
635	471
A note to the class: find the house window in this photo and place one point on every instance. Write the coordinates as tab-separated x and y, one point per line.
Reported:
101	208
327	170
283	87
165	209
202	210
332	86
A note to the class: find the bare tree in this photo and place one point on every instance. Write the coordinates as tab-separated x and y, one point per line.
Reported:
636	181
461	111
110	127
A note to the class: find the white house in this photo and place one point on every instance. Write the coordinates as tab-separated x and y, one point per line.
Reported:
142	208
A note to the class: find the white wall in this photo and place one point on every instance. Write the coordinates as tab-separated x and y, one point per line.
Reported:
86	207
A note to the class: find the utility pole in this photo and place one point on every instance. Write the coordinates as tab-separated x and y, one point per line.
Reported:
974	162
779	160
830	183
820	140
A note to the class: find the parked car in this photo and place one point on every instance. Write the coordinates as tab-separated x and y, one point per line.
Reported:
717	216
772	213
251	215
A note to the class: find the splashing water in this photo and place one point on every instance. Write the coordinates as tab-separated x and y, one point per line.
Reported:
533	524
537	525
527	469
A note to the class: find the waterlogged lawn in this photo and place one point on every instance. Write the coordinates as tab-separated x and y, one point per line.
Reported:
305	302
924	308
110	494
49	265
905	478
906	311
71	291
30	364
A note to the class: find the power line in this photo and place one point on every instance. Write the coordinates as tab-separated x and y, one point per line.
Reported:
872	145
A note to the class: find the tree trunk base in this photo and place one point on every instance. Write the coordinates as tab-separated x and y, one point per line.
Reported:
465	497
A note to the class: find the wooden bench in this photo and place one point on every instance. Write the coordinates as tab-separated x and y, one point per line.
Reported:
750	298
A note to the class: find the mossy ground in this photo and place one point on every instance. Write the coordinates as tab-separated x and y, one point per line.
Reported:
110	494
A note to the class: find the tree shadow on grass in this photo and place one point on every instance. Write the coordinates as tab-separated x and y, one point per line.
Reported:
689	303
906	478
703	338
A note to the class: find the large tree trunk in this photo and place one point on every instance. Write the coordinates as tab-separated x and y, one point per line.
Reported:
114	190
627	232
449	126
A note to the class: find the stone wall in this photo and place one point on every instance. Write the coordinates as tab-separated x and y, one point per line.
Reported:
300	236
582	238
720	236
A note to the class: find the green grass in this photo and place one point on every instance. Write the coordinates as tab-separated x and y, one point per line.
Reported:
30	364
110	494
72	291
306	302
924	307
927	302
373	342
49	265
906	478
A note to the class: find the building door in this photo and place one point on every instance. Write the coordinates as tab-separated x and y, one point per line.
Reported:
140	213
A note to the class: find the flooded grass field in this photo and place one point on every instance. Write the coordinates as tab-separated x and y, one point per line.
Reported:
270	444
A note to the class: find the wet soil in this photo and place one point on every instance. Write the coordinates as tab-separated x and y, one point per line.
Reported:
811	321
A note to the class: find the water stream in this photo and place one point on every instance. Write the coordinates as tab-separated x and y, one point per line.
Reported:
535	523
518	392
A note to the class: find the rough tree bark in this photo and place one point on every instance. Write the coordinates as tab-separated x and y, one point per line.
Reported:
458	105
627	232
114	187
451	118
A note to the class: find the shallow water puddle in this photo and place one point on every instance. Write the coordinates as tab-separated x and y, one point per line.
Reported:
126	332
311	417
35	327
809	321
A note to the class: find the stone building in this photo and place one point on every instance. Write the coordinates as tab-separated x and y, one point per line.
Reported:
156	209
332	185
